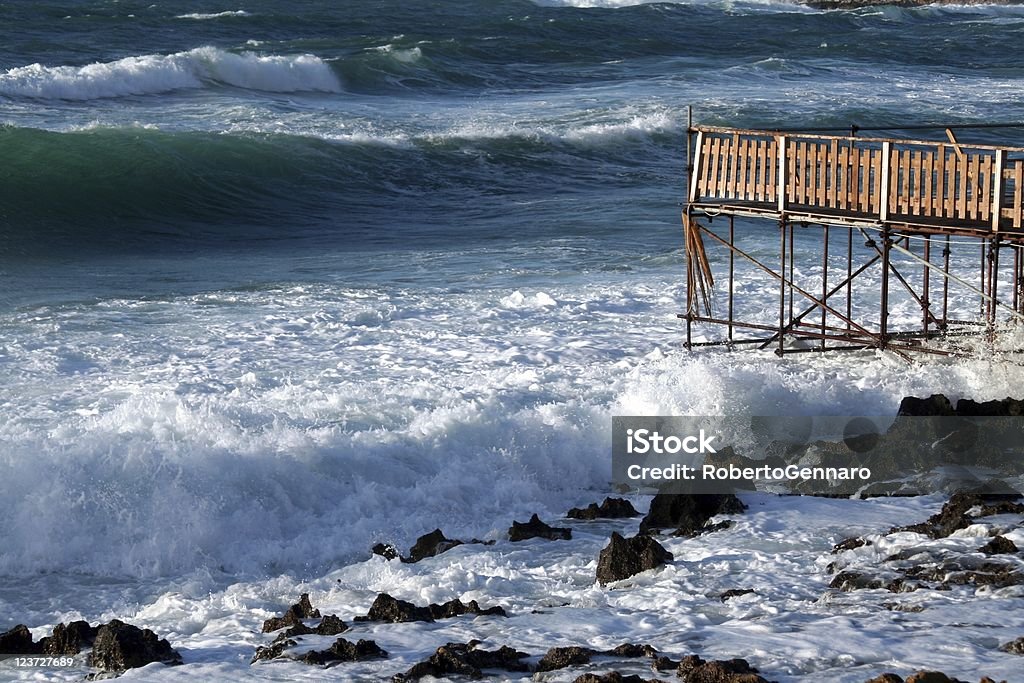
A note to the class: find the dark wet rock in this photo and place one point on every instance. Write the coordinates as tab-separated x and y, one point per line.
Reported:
330	625
561	657
930	677
851	581
953	515
274	650
464	659
611	508
1015	647
614	677
303	609
342	650
996	576
624	557
663	663
456	608
385	550
120	646
18	641
712	528
1000	545
693	669
887	678
734	593
69	639
936	405
1008	407
387	608
535	528
429	545
687	513
850	544
632	650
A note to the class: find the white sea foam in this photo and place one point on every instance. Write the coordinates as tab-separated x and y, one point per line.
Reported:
152	74
214	15
294	427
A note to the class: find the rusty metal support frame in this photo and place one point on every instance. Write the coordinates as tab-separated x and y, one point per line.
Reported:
849	334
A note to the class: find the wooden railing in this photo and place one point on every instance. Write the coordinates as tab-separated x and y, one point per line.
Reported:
930	184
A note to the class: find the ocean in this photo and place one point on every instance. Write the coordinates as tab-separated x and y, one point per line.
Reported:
279	281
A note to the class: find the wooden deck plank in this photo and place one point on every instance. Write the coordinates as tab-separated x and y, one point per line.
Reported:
985	192
716	150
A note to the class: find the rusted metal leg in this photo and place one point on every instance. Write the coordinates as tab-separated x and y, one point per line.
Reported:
926	279
732	270
824	287
884	321
781	286
849	278
945	287
993	287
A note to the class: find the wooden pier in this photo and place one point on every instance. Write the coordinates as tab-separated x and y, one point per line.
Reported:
918	211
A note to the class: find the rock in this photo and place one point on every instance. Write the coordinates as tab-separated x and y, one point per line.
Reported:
953	515
120	646
456	608
341	650
18	641
1000	545
561	657
851	581
429	545
849	544
632	650
611	508
1015	647
387	608
930	677
274	650
624	557
1008	407
693	669
687	513
386	550
934	405
886	678
330	625
393	610
70	639
464	659
303	609
537	529
614	677
344	651
734	593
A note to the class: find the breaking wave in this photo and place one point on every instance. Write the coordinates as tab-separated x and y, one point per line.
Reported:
153	74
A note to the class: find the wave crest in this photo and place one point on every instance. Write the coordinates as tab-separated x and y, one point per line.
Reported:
153	74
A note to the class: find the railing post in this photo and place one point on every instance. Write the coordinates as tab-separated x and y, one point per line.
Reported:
997	191
695	166
782	189
883	191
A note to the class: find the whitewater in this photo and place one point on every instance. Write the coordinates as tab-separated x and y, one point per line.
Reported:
279	283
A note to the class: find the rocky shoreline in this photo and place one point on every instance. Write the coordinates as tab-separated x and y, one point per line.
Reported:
965	546
857	4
